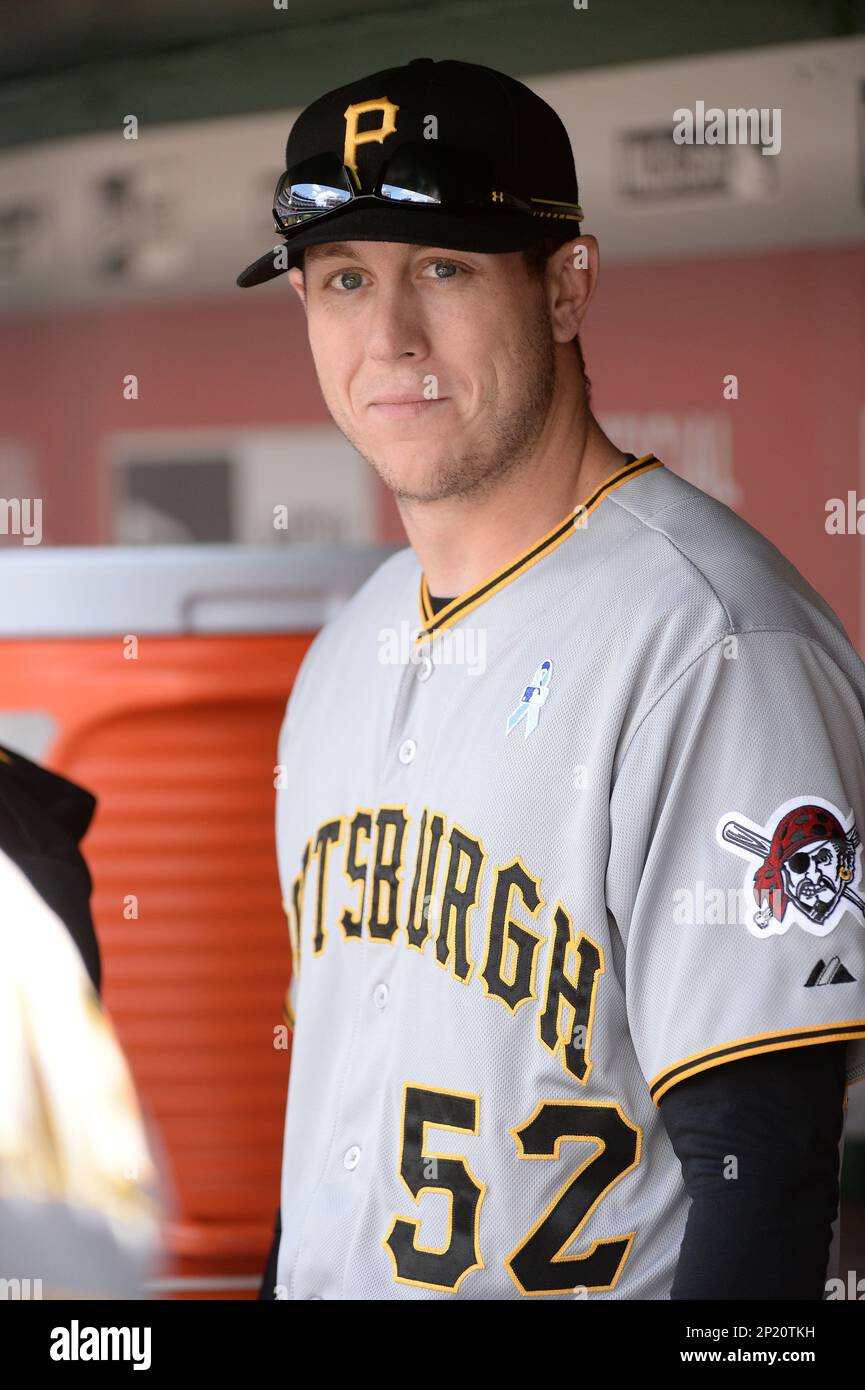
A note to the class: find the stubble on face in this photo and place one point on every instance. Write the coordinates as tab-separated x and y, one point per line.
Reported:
514	421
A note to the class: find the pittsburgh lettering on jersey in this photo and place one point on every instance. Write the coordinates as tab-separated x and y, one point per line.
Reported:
542	962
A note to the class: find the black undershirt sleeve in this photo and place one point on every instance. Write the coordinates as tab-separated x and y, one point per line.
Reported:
774	1120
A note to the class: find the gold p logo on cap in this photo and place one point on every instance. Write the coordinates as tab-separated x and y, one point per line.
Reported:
353	137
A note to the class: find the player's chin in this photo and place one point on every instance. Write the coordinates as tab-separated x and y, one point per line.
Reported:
402	454
410	449
414	475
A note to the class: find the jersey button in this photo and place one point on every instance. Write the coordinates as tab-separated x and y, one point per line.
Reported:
380	996
351	1157
407	750
424	669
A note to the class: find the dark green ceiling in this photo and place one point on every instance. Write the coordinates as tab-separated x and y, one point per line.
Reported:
74	66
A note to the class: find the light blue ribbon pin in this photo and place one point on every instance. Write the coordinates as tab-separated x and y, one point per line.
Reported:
532	698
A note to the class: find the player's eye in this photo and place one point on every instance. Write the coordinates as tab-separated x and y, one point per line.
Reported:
336	281
443	269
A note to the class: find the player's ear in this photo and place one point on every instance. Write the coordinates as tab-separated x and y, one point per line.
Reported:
295	277
571	276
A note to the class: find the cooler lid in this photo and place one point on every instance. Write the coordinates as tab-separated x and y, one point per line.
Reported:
92	591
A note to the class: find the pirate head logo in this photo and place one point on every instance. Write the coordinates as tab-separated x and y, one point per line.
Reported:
810	859
806	866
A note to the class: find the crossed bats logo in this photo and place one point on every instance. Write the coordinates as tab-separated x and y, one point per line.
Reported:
806	865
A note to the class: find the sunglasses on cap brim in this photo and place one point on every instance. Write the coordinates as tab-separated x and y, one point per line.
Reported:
423	175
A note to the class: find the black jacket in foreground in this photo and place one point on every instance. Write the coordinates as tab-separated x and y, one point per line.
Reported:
43	817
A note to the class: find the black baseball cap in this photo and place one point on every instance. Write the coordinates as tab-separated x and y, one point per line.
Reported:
495	156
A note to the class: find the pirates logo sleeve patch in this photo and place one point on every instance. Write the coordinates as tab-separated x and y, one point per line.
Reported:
805	866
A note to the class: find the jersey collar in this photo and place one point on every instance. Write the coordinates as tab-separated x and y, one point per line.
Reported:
464	603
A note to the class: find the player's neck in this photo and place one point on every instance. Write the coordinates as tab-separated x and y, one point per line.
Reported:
461	540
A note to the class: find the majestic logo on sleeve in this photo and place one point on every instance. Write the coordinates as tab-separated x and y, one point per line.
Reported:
806	865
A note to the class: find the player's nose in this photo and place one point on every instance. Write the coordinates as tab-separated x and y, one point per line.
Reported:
395	327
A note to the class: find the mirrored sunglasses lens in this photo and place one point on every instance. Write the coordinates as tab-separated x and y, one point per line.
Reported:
406	195
312	197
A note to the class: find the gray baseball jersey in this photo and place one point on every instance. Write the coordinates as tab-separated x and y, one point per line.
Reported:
587	831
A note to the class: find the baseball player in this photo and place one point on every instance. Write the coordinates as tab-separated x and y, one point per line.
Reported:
570	836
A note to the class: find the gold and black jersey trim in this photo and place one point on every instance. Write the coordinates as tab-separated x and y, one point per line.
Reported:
458	607
847	1031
